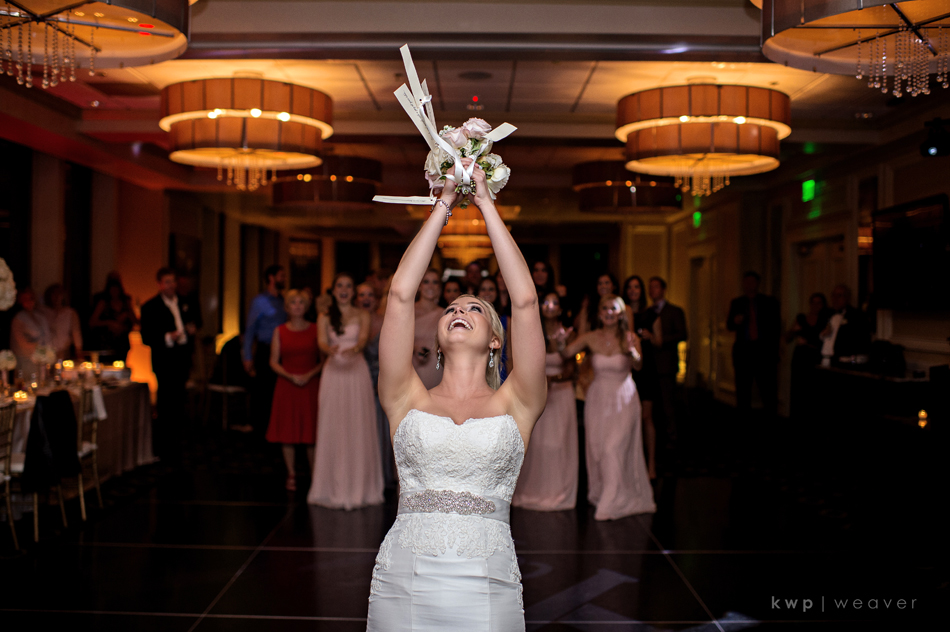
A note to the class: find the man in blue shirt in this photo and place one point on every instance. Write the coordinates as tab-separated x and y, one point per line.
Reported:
266	314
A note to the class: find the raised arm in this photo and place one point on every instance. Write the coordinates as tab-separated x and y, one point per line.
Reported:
526	386
399	385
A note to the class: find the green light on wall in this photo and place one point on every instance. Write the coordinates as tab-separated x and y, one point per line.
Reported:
809	148
697	219
679	198
808	190
697	201
814	214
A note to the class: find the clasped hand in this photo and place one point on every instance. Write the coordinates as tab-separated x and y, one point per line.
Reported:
481	194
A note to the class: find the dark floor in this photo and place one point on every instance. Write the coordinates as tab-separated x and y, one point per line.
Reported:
759	526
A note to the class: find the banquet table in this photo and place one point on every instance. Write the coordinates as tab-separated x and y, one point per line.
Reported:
125	435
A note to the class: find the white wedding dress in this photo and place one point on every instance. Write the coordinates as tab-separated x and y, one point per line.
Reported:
449	563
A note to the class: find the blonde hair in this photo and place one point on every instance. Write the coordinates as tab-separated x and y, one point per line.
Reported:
492	373
622	325
293	294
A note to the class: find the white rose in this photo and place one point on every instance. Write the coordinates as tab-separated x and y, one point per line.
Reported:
499	179
476	128
434	161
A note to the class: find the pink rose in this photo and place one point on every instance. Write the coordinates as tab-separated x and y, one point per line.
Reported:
476	128
455	137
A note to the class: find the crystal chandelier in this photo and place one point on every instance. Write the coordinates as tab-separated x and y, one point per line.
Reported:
703	134
895	46
246	128
63	36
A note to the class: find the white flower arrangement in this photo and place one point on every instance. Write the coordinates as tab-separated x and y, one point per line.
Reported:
7	286
43	355
470	142
7	360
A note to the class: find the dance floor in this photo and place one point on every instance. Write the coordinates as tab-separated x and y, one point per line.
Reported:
756	529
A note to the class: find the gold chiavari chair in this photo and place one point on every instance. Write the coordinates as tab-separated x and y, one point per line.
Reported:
87	449
7	420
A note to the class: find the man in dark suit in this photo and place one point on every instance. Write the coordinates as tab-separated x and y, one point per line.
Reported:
757	322
167	330
673	328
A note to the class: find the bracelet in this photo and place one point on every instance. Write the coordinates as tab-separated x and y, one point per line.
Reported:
448	211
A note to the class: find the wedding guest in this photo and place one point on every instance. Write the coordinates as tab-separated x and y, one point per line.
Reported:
65	331
428	313
488	292
29	329
618	481
587	317
548	480
646	324
266	314
666	352
368	301
504	299
295	358
112	320
473	277
543	277
757	322
847	332
346	472
167	330
806	333
451	290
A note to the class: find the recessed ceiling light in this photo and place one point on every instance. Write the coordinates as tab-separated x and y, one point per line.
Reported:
283	116
94	104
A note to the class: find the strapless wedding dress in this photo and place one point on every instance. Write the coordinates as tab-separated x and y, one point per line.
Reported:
449	563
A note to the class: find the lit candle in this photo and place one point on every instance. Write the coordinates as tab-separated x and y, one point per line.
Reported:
68	364
119	364
20	395
922	419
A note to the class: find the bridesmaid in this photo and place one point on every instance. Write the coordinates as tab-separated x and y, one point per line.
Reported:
616	470
428	313
367	300
548	480
587	318
451	290
346	471
646	324
295	358
488	292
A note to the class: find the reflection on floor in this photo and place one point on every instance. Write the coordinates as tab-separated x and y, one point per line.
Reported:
775	526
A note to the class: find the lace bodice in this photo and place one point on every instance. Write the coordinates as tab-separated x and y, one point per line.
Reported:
482	456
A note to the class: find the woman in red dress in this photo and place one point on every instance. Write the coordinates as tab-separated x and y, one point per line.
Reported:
295	358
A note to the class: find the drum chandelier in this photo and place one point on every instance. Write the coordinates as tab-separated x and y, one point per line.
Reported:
63	36
895	46
703	134
246	128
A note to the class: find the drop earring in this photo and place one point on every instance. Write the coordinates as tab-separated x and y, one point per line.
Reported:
491	358
438	361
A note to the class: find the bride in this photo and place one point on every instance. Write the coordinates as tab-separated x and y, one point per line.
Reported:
449	560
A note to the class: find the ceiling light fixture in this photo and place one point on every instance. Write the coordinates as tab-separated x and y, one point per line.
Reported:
62	39
607	187
703	134
246	127
341	183
870	39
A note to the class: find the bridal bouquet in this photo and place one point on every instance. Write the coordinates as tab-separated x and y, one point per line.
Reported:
43	355
7	287
469	141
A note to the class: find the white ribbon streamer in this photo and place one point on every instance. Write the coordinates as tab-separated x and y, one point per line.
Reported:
417	102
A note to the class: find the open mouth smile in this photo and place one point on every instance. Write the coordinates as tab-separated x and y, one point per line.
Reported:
460	322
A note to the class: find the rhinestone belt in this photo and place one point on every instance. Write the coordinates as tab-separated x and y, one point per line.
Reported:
448	501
